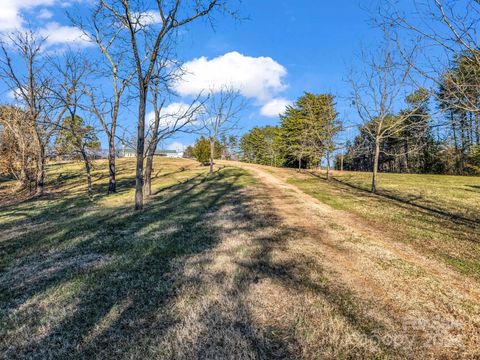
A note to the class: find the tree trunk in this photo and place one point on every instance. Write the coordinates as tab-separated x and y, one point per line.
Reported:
375	165
455	144
23	177
147	186
89	178
112	185
40	170
140	148
477	129
341	161
463	144
328	165
212	154
406	157
88	169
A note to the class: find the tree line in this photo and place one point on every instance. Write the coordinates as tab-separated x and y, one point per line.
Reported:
416	95
306	134
448	144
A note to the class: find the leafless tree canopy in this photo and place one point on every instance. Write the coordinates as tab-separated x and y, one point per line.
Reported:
219	116
377	90
441	32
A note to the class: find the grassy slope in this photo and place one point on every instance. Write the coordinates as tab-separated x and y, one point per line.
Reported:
439	215
68	265
94	279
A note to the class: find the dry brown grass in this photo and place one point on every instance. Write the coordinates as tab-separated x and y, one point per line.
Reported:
406	304
233	266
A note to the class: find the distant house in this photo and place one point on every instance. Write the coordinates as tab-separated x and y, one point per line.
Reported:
166	153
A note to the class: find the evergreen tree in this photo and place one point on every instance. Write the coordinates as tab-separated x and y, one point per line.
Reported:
201	151
308	130
74	137
261	146
294	137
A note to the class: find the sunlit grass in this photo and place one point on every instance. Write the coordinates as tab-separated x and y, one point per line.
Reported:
216	266
438	214
71	266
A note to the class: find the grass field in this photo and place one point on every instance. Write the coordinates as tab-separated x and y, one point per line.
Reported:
237	266
438	214
70	268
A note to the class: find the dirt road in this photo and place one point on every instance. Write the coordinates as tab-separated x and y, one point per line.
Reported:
382	296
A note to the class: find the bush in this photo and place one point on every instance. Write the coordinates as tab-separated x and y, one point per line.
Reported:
473	160
201	151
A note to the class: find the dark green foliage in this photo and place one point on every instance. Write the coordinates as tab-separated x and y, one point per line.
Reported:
201	150
188	153
411	149
294	137
473	159
459	99
306	134
261	145
229	145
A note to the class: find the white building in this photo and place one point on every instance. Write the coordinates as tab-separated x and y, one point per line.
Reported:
166	153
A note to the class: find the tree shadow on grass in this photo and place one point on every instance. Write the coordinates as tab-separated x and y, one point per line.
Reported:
80	281
411	201
476	188
101	280
293	274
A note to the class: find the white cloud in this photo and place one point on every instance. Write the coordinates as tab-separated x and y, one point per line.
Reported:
45	14
171	113
10	12
12	18
259	78
57	34
149	17
275	107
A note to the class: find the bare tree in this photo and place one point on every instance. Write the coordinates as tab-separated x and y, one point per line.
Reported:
106	106
220	116
70	91
165	123
441	31
445	35
377	92
30	83
148	30
17	146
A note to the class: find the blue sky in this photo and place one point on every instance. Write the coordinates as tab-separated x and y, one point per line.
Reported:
281	49
316	41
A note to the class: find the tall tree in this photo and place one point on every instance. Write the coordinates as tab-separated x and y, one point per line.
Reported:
165	124
106	101
294	135
78	140
70	91
376	93
148	30
322	124
442	32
